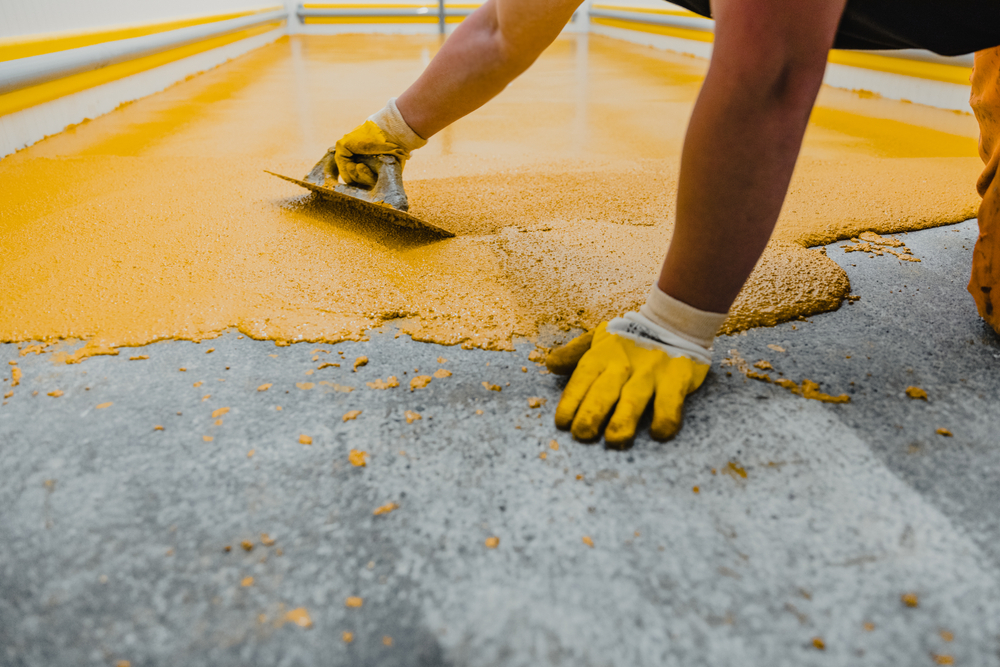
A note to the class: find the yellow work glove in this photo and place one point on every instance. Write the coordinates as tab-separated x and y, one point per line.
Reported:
384	133
623	364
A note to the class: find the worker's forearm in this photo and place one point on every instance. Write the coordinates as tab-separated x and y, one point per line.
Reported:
486	52
741	146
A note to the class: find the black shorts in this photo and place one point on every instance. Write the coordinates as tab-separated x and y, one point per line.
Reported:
947	27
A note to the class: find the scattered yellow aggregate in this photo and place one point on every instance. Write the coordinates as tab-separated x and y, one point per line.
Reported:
319	351
278	408
353	414
909	599
442	373
808	389
8	394
524	369
553	444
327	365
359	362
305	440
205	397
139	357
776	348
492	542
385	509
537	355
734	469
479	412
357	458
354	602
347	636
872	237
101	406
442	360
579	476
305	386
916	392
869	626
15	376
947	636
55	393
387	640
536	402
197	384
266	540
764	365
337	387
943	659
247	545
247	581
265	386
819	643
411	416
158	427
419	382
299	617
227	548
207	438
491	387
391	383
589	542
273	356
182	370
218	413
695	489
310	372
210	350
123	663
945	432
251	453
543	456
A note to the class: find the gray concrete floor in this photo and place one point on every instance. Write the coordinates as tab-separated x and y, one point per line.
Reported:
112	534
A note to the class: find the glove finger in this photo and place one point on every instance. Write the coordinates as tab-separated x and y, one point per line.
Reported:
563	360
365	176
635	397
586	373
679	378
599	402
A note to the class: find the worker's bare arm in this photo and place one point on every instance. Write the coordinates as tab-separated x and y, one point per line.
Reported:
743	140
485	53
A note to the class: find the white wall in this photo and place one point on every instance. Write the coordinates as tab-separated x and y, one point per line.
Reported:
29	17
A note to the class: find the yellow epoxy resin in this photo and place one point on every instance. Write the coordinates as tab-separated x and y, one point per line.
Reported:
157	220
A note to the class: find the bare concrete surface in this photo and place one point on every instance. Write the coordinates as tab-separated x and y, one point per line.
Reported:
113	534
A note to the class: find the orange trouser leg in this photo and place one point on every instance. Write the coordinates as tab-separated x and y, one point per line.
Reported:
985	283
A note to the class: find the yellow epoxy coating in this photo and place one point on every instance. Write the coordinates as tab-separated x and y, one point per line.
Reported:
157	221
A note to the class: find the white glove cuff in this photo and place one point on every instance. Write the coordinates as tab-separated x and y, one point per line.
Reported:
640	330
396	129
693	325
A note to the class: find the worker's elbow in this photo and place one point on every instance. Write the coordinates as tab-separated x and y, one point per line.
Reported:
772	76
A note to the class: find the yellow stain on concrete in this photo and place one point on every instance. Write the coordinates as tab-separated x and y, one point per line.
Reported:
157	220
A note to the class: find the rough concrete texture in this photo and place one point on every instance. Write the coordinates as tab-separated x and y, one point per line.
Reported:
114	534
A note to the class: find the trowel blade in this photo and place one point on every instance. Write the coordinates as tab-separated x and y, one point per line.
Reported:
380	211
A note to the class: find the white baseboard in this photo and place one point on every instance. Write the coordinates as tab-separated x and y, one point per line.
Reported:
664	42
938	94
22	128
899	87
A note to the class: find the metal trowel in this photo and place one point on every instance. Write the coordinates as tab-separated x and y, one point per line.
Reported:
386	201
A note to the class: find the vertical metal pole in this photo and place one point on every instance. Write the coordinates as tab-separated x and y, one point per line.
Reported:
441	16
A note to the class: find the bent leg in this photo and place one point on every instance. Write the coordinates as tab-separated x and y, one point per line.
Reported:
985	282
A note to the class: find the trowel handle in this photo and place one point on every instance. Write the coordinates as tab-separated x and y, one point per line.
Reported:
326	169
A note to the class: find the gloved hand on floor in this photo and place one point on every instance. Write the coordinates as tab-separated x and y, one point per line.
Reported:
384	133
664	350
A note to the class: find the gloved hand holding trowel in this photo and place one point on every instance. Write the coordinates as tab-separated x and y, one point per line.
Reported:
768	61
